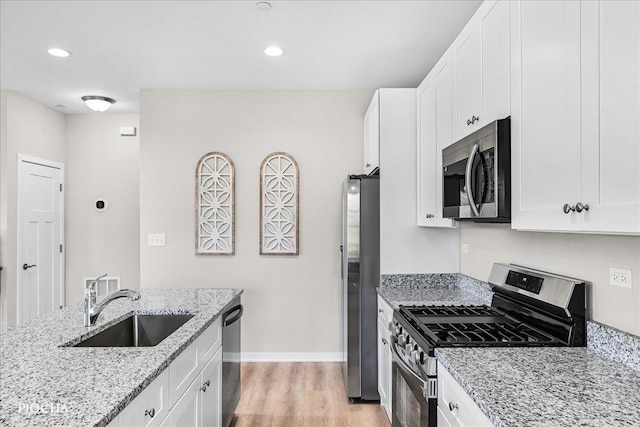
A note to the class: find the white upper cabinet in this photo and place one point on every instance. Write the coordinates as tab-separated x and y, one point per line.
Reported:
434	133
575	116
545	141
372	135
481	69
611	116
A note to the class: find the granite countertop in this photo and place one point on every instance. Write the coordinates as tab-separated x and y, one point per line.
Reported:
433	289
75	386
541	387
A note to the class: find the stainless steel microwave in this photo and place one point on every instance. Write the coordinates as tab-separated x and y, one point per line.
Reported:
476	174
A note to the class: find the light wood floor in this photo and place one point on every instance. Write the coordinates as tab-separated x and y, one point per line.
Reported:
300	395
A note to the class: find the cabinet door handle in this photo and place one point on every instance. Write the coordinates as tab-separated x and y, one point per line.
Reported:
568	208
428	216
580	207
472	120
204	388
384	341
453	406
208	383
151	412
27	266
367	165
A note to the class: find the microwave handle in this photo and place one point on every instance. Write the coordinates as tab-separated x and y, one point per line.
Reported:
467	180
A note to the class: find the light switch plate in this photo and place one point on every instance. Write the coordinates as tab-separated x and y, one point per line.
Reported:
620	277
156	240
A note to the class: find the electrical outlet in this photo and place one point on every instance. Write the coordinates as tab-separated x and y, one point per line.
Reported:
465	248
620	277
156	240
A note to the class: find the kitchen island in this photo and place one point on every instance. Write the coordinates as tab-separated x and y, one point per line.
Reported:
44	381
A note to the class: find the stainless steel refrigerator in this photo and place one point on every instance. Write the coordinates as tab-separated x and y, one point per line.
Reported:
360	274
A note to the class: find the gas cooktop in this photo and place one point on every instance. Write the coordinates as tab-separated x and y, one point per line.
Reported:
450	326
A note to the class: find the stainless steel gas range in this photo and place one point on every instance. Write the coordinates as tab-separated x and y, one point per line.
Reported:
529	308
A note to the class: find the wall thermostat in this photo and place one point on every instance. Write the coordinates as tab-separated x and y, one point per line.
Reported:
101	205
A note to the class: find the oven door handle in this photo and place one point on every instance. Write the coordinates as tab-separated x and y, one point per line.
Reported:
467	179
403	365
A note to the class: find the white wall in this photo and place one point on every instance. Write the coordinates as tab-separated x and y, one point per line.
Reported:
102	164
580	255
33	129
405	247
292	304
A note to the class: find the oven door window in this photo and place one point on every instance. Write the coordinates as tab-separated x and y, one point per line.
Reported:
409	407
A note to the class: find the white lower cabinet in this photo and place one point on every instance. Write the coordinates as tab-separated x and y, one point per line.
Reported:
455	406
187	393
150	407
385	315
187	411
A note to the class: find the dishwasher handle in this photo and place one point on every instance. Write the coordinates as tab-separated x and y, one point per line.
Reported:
227	319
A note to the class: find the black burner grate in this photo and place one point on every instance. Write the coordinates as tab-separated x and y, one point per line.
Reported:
473	326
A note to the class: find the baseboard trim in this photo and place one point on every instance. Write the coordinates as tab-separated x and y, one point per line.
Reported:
291	357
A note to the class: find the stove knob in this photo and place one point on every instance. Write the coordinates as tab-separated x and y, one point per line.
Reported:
398	330
422	358
414	356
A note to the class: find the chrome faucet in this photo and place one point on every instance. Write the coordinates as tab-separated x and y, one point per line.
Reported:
92	309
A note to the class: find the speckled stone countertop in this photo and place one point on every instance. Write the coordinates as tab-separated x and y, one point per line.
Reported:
75	386
597	385
433	289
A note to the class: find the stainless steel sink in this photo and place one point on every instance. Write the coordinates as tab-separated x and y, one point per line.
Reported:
139	330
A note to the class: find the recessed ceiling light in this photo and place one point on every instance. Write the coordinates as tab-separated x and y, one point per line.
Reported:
98	103
60	53
263	5
273	51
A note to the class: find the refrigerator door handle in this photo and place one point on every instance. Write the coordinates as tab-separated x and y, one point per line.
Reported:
341	261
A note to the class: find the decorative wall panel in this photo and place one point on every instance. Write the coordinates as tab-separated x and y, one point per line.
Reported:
215	205
279	184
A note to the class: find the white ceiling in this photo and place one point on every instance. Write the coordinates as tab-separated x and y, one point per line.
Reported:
120	47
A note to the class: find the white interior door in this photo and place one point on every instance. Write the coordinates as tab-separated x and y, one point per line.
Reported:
40	237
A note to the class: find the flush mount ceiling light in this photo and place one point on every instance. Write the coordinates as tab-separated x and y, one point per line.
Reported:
263	5
60	53
98	103
273	51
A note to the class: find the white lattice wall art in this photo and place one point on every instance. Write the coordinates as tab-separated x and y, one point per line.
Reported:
215	205
279	184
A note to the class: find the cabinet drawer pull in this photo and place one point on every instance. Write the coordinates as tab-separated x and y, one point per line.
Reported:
150	412
568	208
367	165
428	216
381	311
384	341
453	406
204	388
580	207
208	383
468	122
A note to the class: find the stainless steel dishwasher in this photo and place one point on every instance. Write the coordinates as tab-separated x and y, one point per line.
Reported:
231	361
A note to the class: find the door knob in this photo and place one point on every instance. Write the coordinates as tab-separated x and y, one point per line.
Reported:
567	208
580	207
27	266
